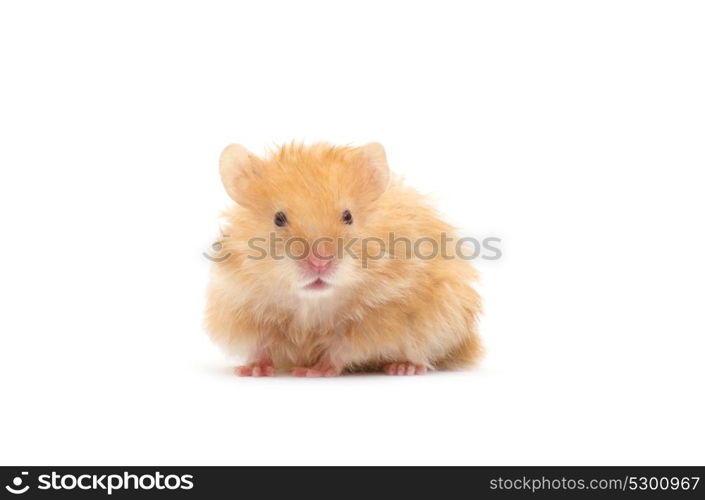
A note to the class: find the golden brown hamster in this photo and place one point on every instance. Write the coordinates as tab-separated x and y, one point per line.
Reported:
330	267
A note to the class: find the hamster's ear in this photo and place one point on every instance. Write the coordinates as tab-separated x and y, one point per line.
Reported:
375	160
237	169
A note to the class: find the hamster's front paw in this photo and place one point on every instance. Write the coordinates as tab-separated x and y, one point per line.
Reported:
404	369
255	370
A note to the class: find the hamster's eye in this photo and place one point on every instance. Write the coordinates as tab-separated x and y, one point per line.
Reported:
280	219
347	217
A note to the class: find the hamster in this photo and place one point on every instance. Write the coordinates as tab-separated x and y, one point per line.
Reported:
328	266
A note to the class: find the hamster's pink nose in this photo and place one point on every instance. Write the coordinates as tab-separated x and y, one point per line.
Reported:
320	263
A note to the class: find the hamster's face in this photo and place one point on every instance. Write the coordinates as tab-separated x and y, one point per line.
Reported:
304	213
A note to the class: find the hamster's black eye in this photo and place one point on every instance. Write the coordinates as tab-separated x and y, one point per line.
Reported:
347	217
280	219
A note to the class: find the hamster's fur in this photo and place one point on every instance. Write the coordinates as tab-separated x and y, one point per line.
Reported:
400	313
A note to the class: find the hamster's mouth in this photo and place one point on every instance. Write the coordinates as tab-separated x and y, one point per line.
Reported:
317	284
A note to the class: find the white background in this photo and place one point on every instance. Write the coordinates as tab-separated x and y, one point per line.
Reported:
572	130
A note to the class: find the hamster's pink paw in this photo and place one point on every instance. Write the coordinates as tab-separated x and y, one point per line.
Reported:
255	370
404	369
315	371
